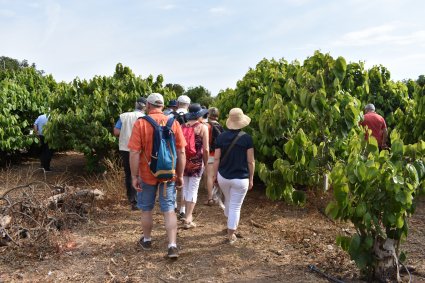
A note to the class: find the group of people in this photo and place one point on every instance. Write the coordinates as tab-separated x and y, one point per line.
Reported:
201	148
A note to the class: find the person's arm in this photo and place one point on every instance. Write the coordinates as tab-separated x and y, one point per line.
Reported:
117	132
181	163
117	128
134	167
35	129
205	144
217	155
251	167
384	137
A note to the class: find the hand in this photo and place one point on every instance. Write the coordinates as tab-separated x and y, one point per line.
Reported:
179	183
251	185
135	181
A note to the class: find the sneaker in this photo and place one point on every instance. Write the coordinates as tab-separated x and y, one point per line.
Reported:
173	252
232	240
189	225
181	216
147	246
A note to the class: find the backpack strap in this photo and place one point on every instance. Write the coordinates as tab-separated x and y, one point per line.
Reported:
235	139
150	120
170	122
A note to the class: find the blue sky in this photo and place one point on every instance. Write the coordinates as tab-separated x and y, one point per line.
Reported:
209	43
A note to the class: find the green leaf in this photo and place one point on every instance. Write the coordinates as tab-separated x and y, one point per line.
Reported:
368	242
343	242
341	193
400	222
361	209
360	172
340	68
354	244
332	209
299	197
397	148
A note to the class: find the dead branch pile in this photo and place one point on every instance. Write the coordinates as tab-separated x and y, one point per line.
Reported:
30	212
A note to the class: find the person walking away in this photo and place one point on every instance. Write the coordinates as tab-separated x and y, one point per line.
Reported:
214	130
171	107
376	123
197	148
183	102
46	153
234	167
147	185
122	130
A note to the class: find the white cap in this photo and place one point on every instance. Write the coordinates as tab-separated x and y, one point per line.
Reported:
155	99
183	99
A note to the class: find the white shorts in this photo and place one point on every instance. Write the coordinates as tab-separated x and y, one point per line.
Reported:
190	188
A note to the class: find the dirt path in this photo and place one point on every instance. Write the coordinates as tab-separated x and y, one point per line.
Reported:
279	249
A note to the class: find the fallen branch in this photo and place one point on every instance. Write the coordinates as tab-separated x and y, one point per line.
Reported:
255	224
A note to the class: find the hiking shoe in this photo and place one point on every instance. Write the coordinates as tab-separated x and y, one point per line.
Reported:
231	241
147	246
181	216
173	252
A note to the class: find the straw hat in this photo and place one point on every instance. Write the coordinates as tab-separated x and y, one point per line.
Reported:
237	120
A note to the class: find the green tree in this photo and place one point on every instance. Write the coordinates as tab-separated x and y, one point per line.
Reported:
421	80
200	95
178	89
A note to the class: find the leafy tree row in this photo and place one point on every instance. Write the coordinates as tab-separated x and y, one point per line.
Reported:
305	125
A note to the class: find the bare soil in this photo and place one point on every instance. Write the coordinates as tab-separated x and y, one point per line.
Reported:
278	241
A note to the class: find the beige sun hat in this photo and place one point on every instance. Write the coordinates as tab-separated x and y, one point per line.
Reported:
237	120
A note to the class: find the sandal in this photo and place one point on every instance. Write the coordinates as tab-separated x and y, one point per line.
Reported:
189	225
210	202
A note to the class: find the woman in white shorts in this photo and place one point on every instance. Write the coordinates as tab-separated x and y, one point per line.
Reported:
234	167
195	161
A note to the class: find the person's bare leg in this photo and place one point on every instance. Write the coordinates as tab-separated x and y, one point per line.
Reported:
147	224
171	226
190	206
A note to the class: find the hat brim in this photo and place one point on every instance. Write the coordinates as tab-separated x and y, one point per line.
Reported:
196	115
236	125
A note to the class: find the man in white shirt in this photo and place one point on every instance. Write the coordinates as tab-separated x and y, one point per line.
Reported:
183	102
123	129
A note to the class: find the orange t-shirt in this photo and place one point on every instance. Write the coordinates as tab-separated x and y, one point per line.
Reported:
141	139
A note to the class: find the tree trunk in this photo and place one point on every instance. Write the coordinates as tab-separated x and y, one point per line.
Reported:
387	267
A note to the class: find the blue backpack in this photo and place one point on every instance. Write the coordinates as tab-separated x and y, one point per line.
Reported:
163	157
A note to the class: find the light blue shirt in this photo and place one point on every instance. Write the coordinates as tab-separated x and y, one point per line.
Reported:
40	122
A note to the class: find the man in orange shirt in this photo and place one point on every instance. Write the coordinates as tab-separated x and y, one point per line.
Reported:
140	145
376	123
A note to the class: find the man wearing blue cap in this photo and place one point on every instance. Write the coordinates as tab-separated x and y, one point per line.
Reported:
171	107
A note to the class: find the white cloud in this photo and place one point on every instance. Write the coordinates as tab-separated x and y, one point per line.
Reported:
168	7
219	11
53	12
384	34
7	13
